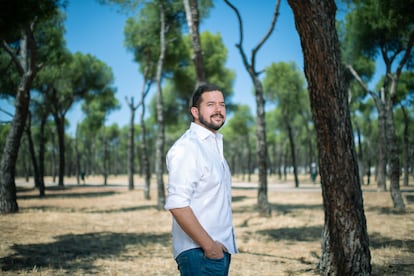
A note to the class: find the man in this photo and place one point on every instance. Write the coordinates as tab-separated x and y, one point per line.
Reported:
199	190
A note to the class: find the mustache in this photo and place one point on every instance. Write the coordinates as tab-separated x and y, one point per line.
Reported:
218	115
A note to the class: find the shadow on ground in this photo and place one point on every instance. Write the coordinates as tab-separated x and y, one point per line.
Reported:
300	234
377	241
409	198
397	265
289	208
63	193
277	208
51	208
77	252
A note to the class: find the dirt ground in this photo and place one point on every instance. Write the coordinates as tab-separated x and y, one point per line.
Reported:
91	229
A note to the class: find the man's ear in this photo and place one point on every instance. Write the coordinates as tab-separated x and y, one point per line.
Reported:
194	112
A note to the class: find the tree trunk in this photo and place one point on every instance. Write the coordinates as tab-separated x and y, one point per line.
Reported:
60	128
382	147
345	245
79	173
261	144
32	150
293	153
145	159
26	65
131	146
192	15
249	160
261	151
406	143
42	142
360	154
159	162
105	164
393	156
8	195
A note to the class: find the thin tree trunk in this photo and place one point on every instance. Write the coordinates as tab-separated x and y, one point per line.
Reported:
261	152
394	156
406	143
159	163
105	164
381	165
249	160
60	128
261	145
54	158
285	163
131	145
345	245
26	65
42	142
144	149
382	148
32	150
360	154
79	174
293	153
192	15
309	134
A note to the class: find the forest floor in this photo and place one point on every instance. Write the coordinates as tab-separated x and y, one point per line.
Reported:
91	229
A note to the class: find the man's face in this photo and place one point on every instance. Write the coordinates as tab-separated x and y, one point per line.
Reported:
211	112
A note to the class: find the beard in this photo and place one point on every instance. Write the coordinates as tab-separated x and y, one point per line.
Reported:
210	124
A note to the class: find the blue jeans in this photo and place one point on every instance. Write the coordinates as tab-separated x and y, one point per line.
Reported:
192	262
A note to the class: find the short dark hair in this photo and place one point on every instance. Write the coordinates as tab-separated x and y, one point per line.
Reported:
196	98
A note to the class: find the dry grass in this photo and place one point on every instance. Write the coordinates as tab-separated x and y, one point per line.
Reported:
92	229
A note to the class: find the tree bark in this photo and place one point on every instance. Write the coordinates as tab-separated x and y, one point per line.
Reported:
146	85
381	166
159	163
42	150
261	150
131	145
193	20
60	129
406	150
292	151
105	165
32	150
79	172
382	145
345	245
26	65
393	154
261	143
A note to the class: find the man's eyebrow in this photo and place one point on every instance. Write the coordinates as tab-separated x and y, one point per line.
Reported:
221	102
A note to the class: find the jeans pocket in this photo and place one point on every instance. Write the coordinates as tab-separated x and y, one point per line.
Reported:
214	266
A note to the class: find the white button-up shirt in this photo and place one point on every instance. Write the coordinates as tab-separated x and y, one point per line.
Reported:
199	177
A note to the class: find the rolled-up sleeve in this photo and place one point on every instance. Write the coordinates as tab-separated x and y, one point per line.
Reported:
182	175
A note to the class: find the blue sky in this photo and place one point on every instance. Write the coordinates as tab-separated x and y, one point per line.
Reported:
98	30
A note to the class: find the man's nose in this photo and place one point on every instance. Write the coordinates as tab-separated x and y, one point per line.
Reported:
219	107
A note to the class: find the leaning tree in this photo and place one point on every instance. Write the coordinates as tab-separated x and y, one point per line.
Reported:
345	245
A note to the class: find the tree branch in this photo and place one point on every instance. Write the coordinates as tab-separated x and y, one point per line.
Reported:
406	56
360	81
13	55
240	44
269	32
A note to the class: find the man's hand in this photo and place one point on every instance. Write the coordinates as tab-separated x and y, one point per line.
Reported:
215	251
190	224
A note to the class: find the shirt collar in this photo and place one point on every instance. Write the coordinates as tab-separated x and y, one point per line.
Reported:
204	133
